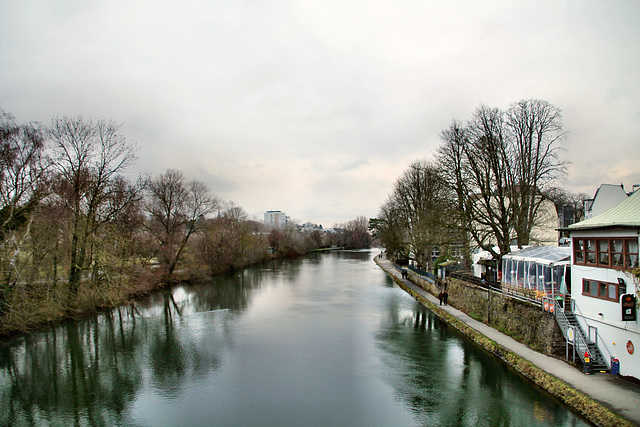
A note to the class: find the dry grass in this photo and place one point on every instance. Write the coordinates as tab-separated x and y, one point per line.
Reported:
32	309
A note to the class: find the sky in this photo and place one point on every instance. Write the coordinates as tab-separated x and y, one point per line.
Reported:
314	107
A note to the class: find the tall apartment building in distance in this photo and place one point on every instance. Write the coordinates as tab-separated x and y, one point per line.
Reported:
275	219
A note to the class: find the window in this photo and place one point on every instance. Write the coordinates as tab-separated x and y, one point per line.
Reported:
603	252
631	253
617	253
590	250
578	251
602	290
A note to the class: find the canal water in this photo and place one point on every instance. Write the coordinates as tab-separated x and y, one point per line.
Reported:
327	340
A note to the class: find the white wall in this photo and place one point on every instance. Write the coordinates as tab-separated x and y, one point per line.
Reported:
613	332
606	197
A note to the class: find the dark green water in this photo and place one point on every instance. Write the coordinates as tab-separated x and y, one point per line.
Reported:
323	341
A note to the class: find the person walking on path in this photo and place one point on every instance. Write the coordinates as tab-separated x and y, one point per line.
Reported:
440	296
445	297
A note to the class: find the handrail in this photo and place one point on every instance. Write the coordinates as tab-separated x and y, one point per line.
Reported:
430	276
574	307
578	339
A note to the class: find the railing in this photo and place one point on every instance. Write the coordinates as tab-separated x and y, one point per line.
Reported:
427	275
598	338
497	287
579	343
521	297
478	282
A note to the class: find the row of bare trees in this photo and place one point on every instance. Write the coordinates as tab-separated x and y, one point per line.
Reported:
484	187
69	216
76	233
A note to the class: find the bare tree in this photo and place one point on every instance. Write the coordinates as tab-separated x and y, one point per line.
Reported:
566	200
23	166
389	230
357	233
177	209
420	197
90	159
451	161
499	166
535	133
488	162
230	241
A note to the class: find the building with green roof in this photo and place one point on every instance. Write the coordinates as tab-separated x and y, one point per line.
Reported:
603	257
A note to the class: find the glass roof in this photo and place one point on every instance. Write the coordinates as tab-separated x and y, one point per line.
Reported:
544	253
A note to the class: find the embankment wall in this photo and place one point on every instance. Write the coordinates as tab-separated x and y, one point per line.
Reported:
524	322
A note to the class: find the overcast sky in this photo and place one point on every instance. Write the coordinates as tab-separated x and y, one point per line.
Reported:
316	107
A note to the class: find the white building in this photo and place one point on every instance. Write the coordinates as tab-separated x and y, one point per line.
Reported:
604	252
276	219
606	197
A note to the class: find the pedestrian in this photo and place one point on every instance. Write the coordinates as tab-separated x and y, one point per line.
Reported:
440	297
445	297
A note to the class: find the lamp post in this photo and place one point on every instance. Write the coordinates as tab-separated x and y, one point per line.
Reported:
489	305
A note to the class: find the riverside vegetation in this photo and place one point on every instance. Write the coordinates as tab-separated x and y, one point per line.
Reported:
77	235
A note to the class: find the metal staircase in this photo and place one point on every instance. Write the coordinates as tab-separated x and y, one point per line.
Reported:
568	323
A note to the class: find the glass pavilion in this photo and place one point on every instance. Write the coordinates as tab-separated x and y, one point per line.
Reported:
544	269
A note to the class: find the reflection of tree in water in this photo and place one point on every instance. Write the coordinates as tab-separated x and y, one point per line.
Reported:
445	380
167	356
229	291
177	356
357	255
89	372
286	269
80	373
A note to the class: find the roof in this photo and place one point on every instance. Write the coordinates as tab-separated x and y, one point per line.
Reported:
544	254
625	214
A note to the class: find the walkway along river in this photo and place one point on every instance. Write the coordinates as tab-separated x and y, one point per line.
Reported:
326	340
603	398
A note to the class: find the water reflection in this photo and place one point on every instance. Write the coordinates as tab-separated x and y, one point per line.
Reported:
70	373
446	380
325	340
89	372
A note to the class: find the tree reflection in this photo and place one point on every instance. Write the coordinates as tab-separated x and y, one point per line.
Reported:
79	373
90	372
445	380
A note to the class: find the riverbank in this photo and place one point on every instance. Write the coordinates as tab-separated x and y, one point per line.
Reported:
41	311
603	399
36	313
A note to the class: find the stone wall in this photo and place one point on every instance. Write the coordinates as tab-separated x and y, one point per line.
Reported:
524	322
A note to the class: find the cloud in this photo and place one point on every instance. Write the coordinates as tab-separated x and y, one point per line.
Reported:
315	107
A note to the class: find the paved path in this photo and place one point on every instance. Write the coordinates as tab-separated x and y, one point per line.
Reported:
621	397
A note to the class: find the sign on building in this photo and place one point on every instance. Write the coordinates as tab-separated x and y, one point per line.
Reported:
628	308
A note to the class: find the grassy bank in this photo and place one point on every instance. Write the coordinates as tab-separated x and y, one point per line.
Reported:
33	310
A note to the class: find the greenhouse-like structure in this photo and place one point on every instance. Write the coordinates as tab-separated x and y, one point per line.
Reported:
545	269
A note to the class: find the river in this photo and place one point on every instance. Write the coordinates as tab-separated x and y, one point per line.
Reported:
325	340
